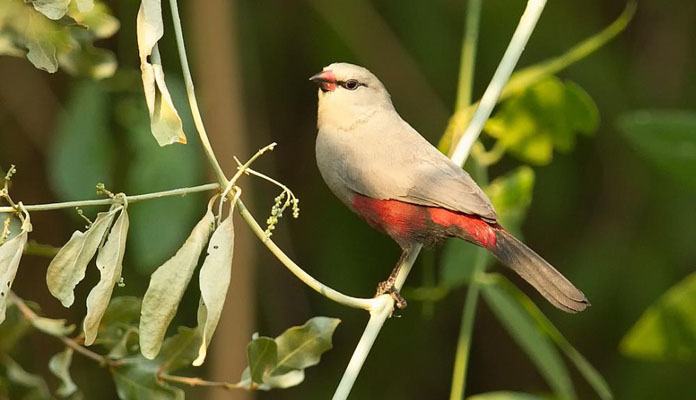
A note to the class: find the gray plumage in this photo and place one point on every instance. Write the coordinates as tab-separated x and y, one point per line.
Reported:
375	153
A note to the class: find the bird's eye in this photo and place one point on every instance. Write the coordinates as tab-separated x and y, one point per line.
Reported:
351	84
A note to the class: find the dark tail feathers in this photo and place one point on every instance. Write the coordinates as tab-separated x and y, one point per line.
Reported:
540	274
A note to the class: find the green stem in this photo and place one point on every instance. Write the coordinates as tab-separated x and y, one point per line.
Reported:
501	76
355	302
466	75
461	358
468	55
106	202
466	328
191	93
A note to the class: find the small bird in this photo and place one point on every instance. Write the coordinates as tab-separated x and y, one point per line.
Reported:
392	177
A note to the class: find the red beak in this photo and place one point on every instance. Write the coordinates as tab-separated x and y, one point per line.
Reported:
326	80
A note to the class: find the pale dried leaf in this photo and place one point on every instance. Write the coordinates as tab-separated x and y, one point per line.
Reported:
110	264
167	286
60	366
68	267
54	327
165	122
84	5
42	54
10	254
53	9
214	280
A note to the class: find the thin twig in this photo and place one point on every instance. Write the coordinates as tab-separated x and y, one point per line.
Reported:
30	316
193	381
105	202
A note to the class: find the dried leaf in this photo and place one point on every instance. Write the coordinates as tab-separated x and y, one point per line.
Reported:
38	389
54	327
10	254
214	280
165	122
53	9
68	267
167	286
110	264
60	366
84	5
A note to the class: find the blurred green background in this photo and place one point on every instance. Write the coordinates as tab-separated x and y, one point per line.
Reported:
619	228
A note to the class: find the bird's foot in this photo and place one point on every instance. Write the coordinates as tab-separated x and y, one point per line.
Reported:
387	287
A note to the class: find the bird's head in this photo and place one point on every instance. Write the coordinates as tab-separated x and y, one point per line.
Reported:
349	94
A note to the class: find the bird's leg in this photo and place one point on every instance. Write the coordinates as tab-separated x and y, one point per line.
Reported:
387	287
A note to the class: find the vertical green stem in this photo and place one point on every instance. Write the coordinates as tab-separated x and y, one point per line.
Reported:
467	60
466	328
466	78
191	93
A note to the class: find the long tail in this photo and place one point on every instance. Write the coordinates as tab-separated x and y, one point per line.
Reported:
540	274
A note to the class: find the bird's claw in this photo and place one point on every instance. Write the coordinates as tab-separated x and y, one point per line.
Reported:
387	287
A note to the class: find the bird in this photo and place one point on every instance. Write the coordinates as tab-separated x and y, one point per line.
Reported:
393	178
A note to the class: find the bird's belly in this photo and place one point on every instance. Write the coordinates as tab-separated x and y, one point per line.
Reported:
409	223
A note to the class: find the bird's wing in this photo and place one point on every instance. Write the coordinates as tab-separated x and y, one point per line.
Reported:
404	166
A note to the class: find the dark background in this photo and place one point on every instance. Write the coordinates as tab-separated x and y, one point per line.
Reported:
620	230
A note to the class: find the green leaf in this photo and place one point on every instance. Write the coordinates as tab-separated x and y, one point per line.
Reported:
297	348
180	350
167	286
667	330
136	381
137	378
526	77
667	139
591	375
81	155
214	280
301	347
13	329
53	9
544	117
59	364
532	339
511	195
38	389
119	326
58	33
110	265
165	122
262	353
10	255
505	396
68	267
